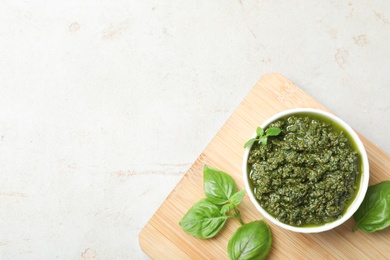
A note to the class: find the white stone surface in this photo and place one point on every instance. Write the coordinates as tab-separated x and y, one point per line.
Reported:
104	105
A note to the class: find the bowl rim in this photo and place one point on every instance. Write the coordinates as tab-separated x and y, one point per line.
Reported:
364	179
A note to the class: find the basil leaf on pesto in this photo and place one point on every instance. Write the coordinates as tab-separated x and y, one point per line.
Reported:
251	241
263	140
261	137
374	212
218	186
259	131
250	142
273	131
203	220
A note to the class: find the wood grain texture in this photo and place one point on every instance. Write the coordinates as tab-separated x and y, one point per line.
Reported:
162	238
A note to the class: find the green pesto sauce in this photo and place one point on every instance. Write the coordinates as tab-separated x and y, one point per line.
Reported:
308	175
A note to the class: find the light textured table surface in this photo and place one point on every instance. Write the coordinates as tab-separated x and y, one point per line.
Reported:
104	105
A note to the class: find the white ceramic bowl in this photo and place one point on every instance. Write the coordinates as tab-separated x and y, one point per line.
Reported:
363	180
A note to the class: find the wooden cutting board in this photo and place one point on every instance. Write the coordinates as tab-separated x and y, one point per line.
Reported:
162	238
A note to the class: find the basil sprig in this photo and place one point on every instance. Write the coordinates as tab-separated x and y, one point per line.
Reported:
208	216
374	212
262	136
251	241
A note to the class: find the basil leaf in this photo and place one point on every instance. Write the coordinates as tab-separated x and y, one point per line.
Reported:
203	219
227	207
259	131
218	186
250	141
251	241
237	197
234	201
273	131
374	212
263	140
